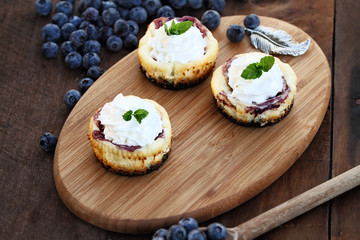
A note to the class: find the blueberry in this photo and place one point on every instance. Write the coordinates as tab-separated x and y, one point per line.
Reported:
84	4
189	224
124	12
114	43
50	32
107	4
78	37
235	33
91	59
128	3
91	14
151	6
138	14
73	60
121	27
131	41
217	5
133	27
70	1
84	24
64	7
104	33
177	4
92	32
48	142
92	46
216	231
110	15
84	84
176	232
60	19
66	48
211	19
165	11
71	98
66	30
49	50
76	20
252	21
43	7
95	72
196	234
195	4
162	232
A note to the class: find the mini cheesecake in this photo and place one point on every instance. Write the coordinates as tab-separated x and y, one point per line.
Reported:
128	144
177	61
254	102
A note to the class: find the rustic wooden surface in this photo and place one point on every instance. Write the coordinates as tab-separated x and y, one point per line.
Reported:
240	161
31	94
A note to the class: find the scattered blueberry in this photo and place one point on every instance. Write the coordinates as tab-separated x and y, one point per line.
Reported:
92	46
84	84
110	15
177	4
162	232
151	6
49	50
71	98
64	7
211	19
176	232
235	33
78	38
121	27
59	19
92	32
189	224
107	4
252	21
91	14
48	142
66	48
66	30
129	3
217	5
195	4
196	234
76	20
165	11
91	59
95	72
131	41
133	27
43	7
216	231
50	32
138	15
104	33
114	43
73	60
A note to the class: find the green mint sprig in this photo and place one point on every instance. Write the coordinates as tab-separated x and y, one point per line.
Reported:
177	28
255	70
139	115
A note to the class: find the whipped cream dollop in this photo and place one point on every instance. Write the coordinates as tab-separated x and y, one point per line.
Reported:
183	48
130	133
254	91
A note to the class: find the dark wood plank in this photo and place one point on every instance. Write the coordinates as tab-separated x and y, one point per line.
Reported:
346	144
31	95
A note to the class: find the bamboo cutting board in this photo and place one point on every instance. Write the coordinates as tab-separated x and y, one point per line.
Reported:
214	166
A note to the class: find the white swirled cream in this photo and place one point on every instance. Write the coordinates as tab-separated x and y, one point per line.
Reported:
183	48
254	91
130	133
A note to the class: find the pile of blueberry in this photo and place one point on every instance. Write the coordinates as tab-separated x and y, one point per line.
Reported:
236	33
110	24
188	229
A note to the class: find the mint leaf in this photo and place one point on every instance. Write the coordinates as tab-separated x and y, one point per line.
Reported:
177	28
127	115
140	114
255	70
267	63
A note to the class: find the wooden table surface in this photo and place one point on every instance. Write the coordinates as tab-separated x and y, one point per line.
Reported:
31	95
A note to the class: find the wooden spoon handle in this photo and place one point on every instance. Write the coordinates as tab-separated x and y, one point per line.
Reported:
296	206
